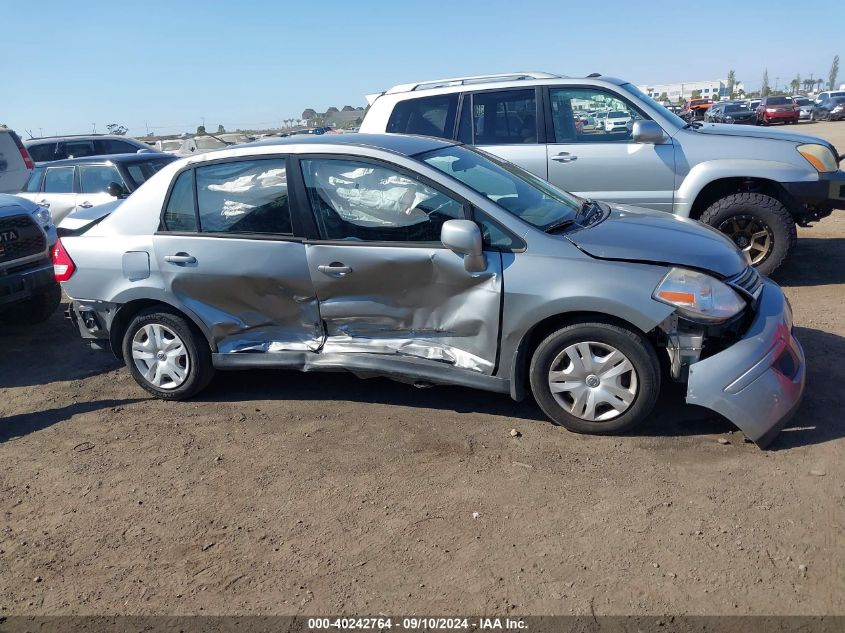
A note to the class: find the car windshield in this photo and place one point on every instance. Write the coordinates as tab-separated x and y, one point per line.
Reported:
837	100
778	101
517	191
171	146
664	112
617	114
735	107
802	101
207	142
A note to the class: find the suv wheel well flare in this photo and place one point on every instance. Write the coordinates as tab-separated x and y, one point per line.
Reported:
718	189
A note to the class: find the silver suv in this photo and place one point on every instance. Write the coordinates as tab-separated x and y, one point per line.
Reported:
752	184
429	262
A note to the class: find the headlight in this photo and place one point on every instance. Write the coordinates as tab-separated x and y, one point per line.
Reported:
42	216
698	296
819	156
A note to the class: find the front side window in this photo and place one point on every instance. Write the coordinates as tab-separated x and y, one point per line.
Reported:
429	116
360	201
615	121
515	190
113	146
96	178
58	180
505	117
249	196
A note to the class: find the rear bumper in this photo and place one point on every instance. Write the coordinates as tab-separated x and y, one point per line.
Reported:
781	116
25	281
758	382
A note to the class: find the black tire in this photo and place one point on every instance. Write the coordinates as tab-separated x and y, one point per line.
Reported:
764	209
633	345
199	368
36	309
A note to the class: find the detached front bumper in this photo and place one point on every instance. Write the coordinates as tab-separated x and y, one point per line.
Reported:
758	382
826	192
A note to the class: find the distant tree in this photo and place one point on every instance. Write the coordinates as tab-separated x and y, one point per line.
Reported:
715	97
359	108
765	89
696	94
834	71
332	110
819	83
347	109
114	128
201	130
309	113
731	83
663	97
221	129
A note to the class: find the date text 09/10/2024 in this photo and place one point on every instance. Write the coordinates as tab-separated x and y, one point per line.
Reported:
416	623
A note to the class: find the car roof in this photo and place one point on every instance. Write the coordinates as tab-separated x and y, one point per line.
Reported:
406	144
110	159
79	137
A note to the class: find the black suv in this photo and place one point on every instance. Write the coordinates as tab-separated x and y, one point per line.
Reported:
47	149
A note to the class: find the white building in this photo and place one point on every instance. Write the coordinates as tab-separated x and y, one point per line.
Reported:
683	90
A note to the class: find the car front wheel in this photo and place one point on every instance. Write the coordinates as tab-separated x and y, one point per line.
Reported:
595	378
759	225
166	355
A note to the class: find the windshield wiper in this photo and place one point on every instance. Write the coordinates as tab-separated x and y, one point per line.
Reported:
560	224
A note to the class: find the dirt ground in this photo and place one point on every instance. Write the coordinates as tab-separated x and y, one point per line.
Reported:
285	493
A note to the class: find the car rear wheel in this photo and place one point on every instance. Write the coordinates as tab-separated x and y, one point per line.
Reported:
595	378
36	309
759	225
166	355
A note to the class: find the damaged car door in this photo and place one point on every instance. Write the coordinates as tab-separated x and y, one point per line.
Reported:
226	250
384	281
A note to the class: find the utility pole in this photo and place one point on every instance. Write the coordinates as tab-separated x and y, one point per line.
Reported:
776	83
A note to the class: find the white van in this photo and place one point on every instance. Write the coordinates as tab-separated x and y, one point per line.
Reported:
15	162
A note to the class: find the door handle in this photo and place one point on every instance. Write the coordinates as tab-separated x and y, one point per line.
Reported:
86	205
44	203
564	157
180	258
335	269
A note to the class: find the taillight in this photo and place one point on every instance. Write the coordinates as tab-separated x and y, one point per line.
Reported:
27	159
63	266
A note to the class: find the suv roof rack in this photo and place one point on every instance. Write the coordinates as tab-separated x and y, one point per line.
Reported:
461	81
42	138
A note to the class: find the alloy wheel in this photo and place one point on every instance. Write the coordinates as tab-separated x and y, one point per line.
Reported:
593	381
752	237
160	356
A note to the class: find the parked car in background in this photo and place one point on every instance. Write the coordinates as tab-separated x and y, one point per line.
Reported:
694	109
830	109
805	106
617	120
430	262
753	184
753	104
28	289
731	112
53	148
828	94
777	110
15	162
169	145
81	183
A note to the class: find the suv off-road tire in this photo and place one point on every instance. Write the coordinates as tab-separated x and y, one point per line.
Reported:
200	371
639	351
36	309
764	209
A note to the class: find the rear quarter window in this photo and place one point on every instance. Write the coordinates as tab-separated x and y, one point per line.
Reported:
428	116
43	152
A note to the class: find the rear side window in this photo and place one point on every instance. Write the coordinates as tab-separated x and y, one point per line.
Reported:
78	149
429	116
33	185
504	118
58	180
179	214
43	152
248	196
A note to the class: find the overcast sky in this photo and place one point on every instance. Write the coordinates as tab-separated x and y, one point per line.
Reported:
67	66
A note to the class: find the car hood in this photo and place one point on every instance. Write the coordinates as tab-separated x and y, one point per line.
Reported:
755	132
12	204
83	217
642	235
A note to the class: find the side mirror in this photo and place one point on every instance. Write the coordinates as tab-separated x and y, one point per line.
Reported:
647	132
115	190
464	238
